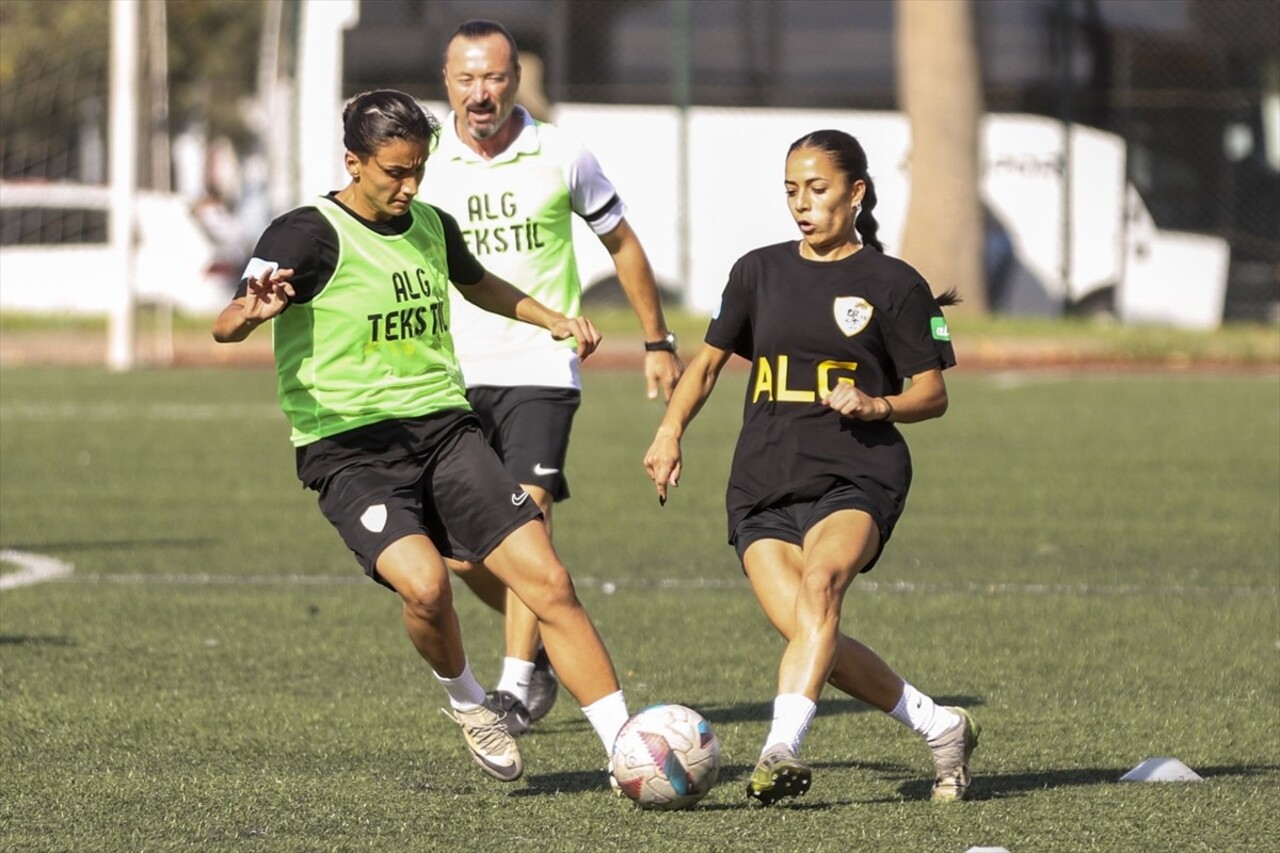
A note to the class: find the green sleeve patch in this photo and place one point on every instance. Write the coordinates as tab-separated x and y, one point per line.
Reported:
938	326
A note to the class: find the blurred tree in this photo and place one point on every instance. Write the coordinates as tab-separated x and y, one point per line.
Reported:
49	84
213	64
940	89
54	59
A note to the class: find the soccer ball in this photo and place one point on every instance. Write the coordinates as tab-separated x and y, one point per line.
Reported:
666	757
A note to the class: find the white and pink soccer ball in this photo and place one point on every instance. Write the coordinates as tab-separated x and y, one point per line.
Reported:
666	757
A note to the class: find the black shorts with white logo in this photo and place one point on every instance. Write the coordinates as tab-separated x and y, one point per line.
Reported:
529	427
434	476
790	521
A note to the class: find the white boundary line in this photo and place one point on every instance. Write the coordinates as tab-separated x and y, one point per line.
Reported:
906	587
74	411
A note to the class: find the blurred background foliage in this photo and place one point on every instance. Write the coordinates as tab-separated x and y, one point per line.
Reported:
212	60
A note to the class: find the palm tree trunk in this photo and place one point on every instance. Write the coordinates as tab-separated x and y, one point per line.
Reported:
940	89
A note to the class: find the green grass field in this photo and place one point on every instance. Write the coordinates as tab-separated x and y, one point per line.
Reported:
1090	562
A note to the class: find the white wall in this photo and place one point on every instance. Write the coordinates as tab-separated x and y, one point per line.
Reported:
172	260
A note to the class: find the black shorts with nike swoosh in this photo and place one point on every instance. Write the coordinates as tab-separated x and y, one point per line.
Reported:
529	427
433	475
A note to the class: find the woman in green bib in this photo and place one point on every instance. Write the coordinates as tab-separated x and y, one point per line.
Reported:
355	286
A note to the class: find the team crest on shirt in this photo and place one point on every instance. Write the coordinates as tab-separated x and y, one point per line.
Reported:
853	313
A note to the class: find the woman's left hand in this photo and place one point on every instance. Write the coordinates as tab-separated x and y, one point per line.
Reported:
848	400
579	328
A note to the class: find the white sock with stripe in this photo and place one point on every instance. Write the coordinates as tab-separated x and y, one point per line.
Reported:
792	714
465	692
919	713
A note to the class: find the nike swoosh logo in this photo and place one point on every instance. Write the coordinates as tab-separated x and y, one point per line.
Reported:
542	472
517	500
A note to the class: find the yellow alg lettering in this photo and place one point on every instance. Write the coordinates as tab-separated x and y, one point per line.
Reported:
764	381
788	395
824	373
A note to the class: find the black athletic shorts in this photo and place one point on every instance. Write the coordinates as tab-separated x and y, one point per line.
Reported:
434	476
790	521
529	427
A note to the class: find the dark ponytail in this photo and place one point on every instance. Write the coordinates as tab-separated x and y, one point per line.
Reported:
852	160
371	119
866	223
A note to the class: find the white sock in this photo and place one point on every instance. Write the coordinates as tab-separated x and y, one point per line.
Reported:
464	691
792	713
607	715
918	712
515	678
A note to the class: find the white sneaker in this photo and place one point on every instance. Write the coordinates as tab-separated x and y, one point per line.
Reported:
951	751
489	743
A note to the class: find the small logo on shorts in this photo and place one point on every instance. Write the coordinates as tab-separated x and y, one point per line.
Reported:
375	518
518	500
542	472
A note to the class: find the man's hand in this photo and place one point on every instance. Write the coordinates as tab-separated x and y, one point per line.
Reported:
662	370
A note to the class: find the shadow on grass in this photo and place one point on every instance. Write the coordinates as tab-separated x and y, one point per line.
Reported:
34	640
748	804
733	775
996	786
581	781
738	713
577	782
109	545
564	782
839	704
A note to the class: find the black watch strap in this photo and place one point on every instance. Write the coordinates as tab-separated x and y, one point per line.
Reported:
667	344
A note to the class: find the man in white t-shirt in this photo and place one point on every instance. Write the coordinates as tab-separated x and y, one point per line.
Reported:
514	185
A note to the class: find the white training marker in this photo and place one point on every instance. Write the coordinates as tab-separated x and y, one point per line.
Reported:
986	850
1162	770
32	569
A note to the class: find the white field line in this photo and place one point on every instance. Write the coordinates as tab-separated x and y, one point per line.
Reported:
32	569
609	585
72	411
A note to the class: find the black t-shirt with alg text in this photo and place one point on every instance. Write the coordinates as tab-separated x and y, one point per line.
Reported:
805	325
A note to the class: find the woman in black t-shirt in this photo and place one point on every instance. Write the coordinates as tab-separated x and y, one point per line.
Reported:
844	343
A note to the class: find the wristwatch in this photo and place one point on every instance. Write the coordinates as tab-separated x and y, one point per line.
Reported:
667	344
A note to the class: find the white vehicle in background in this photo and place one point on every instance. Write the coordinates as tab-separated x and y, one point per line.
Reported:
1097	248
